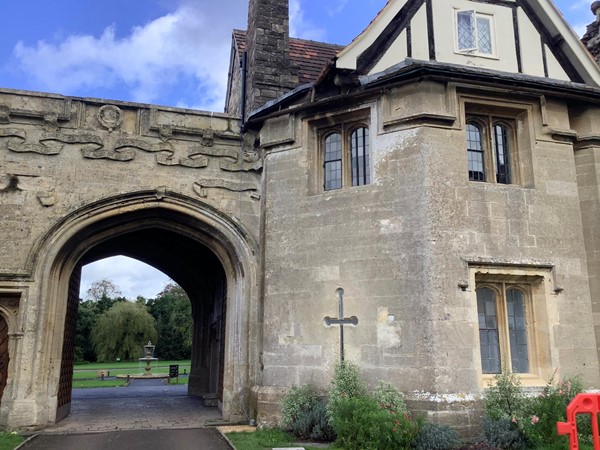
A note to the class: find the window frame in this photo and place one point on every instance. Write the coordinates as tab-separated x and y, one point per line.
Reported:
475	50
500	289
346	131
487	123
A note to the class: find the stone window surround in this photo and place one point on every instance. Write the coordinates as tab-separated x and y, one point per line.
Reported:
540	303
319	128
519	117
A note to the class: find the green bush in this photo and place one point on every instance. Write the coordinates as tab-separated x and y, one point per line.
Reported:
346	383
539	423
504	434
515	420
389	397
437	436
304	413
504	398
361	424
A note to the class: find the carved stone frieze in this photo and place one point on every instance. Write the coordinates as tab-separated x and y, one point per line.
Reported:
118	148
110	117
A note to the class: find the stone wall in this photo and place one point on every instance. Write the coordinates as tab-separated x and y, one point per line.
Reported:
410	248
77	173
270	71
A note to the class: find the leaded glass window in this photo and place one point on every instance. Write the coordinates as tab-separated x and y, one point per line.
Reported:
333	161
502	317
475	152
474	32
490	149
502	154
359	149
517	328
489	341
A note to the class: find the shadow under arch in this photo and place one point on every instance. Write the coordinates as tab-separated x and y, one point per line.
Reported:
211	255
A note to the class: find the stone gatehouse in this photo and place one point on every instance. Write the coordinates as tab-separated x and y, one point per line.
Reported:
445	178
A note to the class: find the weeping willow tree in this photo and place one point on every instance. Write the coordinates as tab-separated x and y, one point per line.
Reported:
122	331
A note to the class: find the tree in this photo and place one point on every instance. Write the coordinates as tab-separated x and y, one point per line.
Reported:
172	311
87	316
122	331
103	289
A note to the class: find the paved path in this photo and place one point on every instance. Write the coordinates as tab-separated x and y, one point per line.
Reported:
143	405
205	439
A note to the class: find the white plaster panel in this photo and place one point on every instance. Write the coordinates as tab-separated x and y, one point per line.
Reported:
420	45
555	70
504	58
531	47
396	53
347	57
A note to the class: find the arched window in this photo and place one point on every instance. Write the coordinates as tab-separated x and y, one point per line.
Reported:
502	153
359	149
333	162
502	318
346	156
490	150
475	152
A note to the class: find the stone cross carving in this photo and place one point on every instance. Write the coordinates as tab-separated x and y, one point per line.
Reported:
341	321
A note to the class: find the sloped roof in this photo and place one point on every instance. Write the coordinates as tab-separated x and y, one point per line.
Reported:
311	57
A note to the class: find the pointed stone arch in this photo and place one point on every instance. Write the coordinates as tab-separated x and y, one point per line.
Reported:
96	231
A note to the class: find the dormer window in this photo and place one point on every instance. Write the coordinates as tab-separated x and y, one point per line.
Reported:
474	32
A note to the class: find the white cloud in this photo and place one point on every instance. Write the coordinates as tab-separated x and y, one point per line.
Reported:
302	28
132	277
580	4
190	43
337	8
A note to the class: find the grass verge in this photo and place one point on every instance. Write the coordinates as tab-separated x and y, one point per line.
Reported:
266	439
10	440
98	383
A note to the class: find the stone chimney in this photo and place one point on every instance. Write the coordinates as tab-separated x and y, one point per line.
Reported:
591	38
270	72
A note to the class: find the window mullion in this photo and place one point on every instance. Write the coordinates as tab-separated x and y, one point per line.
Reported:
503	328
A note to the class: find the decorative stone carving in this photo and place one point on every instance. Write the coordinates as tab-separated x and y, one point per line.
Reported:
4	114
110	117
234	186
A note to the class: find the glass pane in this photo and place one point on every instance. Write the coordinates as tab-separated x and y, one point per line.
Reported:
489	342
333	162
466	30
517	328
501	145
359	153
475	153
333	175
484	35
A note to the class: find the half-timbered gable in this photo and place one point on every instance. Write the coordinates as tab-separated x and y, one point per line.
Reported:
516	36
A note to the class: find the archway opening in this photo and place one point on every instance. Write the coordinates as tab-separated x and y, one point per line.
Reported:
192	265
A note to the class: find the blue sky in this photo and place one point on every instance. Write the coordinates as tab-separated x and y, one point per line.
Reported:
168	52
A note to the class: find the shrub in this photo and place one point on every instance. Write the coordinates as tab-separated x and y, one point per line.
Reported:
303	411
437	436
504	398
389	397
504	434
346	383
539	423
361	424
517	421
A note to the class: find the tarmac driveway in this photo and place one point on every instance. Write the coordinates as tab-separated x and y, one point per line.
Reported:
203	438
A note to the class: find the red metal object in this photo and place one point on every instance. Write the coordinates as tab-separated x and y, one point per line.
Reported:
581	404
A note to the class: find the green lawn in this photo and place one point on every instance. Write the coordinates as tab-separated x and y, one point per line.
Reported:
266	439
8	440
131	365
98	383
